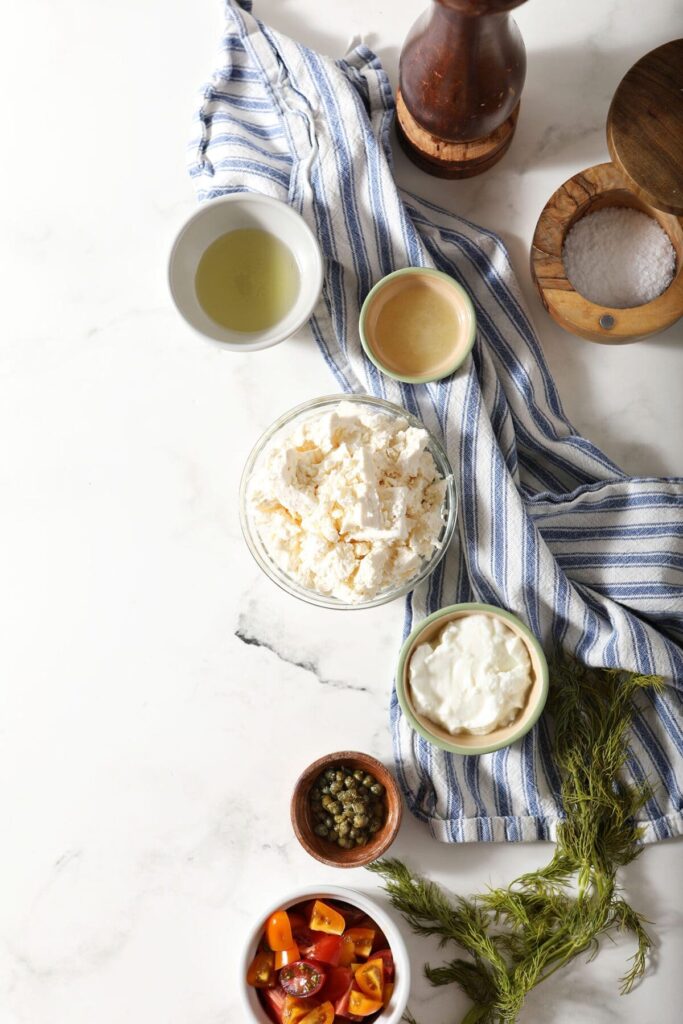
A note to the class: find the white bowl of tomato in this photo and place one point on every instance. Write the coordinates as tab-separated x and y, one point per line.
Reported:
325	956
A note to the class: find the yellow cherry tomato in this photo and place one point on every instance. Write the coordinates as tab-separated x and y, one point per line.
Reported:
361	1005
363	939
326	919
323	1014
370	978
279	931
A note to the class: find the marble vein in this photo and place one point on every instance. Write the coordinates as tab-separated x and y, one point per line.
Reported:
307	665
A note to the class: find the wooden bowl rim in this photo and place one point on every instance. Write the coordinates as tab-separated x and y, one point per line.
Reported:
360	855
567	306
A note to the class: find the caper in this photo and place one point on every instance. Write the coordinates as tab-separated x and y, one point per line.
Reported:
346	806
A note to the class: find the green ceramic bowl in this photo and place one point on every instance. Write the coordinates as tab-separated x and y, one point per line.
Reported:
391	285
466	743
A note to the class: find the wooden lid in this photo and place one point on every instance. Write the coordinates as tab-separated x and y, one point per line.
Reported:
645	127
590	190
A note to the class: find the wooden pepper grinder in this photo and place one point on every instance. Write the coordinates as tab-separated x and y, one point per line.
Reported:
461	75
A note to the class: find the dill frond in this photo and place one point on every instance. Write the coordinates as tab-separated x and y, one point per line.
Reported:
518	937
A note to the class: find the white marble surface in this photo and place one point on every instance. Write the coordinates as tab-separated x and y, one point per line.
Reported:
135	708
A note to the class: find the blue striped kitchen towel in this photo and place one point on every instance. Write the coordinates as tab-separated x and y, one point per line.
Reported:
549	527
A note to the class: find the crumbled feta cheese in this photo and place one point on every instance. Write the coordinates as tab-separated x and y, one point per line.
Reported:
350	503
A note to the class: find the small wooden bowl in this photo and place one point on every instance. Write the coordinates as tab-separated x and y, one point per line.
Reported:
590	190
330	853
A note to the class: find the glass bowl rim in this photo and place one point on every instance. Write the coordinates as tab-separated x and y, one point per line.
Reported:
289	585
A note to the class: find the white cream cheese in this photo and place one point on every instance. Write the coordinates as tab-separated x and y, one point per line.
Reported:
350	503
474	679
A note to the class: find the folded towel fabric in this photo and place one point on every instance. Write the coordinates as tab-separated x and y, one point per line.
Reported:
549	527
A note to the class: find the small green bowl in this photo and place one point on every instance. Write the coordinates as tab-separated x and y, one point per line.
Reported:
467	316
466	743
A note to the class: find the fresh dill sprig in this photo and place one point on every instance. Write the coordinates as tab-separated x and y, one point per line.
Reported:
518	937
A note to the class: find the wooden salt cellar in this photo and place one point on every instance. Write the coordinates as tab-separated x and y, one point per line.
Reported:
645	140
461	75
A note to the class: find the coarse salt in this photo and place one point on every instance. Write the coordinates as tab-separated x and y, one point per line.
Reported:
619	257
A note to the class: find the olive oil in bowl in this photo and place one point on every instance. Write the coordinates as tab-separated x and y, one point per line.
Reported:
247	280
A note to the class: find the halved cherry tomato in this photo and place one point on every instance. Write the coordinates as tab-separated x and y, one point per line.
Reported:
323	1014
326	948
388	960
339	981
388	992
274	1002
369	978
348	951
362	940
326	919
341	1005
261	973
295	1009
286	956
360	1004
302	934
279	931
302	978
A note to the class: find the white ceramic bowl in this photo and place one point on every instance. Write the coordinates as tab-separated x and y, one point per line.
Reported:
232	213
392	1013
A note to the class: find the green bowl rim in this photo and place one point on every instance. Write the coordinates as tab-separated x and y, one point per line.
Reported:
426	378
486	748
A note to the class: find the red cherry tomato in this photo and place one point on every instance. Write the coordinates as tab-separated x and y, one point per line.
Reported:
302	934
341	1003
326	948
386	957
274	1002
302	978
339	981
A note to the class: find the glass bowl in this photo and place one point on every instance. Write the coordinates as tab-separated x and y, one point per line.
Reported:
284	426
